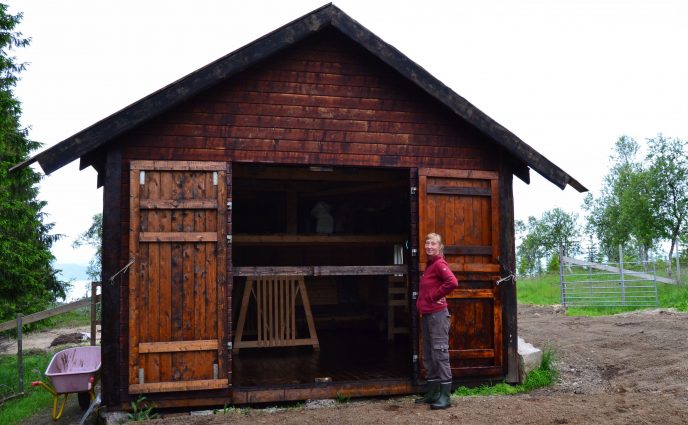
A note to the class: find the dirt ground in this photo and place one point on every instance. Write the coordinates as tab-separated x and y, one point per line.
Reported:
625	369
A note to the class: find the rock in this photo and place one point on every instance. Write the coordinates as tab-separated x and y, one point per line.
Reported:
113	418
529	358
319	404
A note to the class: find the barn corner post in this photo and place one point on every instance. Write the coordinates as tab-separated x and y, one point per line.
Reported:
112	316
507	256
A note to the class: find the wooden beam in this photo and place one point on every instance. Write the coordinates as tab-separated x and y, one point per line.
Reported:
160	387
468	250
322	271
171	204
178	237
461	191
178	346
177	166
316	239
35	317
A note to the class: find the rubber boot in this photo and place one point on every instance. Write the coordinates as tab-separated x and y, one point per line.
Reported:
444	399
432	393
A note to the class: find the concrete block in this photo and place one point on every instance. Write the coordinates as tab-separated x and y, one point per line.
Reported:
529	358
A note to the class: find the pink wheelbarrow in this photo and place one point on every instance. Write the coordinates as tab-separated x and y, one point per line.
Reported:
73	370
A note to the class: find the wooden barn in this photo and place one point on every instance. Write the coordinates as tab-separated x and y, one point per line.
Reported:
272	207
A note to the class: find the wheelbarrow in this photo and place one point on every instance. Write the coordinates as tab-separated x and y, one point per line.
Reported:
73	370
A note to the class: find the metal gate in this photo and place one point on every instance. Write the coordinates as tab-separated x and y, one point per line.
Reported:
587	284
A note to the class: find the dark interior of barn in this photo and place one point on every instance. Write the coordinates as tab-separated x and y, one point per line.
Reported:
338	228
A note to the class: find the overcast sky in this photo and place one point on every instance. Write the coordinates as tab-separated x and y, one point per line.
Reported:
567	77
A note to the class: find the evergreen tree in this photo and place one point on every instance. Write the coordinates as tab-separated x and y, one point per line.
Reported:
28	282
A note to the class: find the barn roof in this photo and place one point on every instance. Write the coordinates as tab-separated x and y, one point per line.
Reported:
86	141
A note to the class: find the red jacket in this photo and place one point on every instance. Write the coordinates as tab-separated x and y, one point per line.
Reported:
437	281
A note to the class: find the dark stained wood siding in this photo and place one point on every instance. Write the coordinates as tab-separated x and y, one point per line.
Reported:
324	101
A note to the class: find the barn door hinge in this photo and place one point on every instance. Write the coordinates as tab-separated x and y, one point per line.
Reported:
229	345
142	177
229	205
229	238
414	252
216	371
414	295
141	373
214	178
415	358
414	190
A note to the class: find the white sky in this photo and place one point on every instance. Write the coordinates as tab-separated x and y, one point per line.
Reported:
567	77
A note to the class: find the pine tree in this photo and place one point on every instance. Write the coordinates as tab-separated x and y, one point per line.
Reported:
28	282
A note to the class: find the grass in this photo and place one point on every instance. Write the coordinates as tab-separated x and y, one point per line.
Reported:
545	290
16	410
541	377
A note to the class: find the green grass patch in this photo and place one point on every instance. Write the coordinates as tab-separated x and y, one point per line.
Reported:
541	377
545	290
16	410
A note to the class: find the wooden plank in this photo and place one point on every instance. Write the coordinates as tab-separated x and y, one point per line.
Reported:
495	230
134	190
321	270
474	267
569	260
34	317
196	385
177	166
178	346
467	250
316	239
190	369
165	295
458	174
150	306
478	353
178	204
178	236
115	193
459	191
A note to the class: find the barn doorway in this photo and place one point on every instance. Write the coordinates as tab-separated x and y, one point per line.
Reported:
344	231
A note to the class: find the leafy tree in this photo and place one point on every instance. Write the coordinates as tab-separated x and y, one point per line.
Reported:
544	238
28	282
668	173
93	237
622	214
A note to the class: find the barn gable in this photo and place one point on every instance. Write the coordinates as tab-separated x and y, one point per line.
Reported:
90	139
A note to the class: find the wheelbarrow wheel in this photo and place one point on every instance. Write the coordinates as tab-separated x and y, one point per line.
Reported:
84	400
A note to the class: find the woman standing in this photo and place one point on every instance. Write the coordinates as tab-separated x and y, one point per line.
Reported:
435	283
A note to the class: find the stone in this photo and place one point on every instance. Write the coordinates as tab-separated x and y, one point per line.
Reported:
529	358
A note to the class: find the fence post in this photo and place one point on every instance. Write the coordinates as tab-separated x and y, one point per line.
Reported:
20	356
621	271
678	263
561	276
94	315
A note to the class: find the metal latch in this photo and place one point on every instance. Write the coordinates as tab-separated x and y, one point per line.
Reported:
414	295
229	345
229	205
414	252
229	238
414	190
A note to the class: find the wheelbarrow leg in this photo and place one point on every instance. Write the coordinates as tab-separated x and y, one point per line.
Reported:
56	415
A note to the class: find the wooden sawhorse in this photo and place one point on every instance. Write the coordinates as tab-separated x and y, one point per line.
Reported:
275	299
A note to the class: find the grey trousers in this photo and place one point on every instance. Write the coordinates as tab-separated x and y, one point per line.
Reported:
435	328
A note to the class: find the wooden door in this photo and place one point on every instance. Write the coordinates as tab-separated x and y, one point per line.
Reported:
462	206
176	285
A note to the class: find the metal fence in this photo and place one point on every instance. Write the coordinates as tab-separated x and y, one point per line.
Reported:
587	284
11	390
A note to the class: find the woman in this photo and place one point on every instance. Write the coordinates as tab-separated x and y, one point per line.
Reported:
435	283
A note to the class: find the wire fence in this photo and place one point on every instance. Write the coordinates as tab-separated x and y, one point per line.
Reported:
587	284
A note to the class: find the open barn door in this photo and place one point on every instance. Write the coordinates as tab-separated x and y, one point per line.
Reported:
176	286
462	206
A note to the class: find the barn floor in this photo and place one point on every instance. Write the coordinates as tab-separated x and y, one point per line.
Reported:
344	356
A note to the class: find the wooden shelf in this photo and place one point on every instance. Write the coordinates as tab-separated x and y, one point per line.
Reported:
321	270
294	239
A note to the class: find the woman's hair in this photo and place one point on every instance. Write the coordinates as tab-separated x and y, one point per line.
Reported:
438	238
